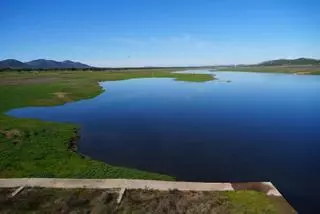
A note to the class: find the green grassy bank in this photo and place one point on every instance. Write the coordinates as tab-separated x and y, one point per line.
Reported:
34	148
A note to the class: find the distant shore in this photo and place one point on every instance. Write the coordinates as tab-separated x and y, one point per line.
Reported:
300	70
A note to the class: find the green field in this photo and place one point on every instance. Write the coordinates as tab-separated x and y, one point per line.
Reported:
34	148
314	70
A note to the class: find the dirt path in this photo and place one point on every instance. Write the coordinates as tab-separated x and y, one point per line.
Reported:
265	187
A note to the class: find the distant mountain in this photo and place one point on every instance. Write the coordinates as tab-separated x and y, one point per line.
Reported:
41	64
44	63
299	61
72	64
11	63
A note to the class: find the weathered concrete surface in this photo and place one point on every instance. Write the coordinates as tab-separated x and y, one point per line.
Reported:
121	193
124	184
17	191
272	191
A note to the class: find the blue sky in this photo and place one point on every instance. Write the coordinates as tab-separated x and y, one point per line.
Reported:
159	32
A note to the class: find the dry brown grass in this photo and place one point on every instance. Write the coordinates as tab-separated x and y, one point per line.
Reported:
63	96
10	134
151	201
46	200
256	186
54	201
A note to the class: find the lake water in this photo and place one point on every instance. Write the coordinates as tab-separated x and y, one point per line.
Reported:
258	127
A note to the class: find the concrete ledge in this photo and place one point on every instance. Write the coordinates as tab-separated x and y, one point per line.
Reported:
129	184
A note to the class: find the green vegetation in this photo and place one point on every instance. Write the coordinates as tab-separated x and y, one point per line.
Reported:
315	70
249	202
299	61
194	78
233	202
34	148
46	200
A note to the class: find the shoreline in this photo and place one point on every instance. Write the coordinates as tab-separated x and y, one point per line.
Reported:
49	149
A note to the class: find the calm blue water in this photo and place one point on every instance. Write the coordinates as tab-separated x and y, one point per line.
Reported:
258	127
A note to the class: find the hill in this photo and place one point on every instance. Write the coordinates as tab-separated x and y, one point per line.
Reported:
11	63
299	61
41	64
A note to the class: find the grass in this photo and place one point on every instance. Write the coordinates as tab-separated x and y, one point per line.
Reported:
314	70
46	200
34	148
233	202
250	202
